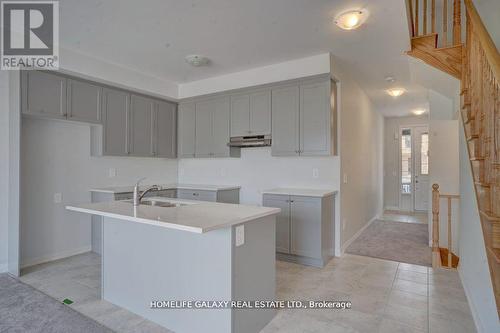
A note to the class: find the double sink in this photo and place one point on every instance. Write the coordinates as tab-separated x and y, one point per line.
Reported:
158	203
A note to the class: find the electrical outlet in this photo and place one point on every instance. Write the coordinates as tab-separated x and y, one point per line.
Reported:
57	198
315	173
344	224
111	172
345	178
240	235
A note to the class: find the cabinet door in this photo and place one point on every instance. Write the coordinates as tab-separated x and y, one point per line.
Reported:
315	119
305	226
282	221
84	101
116	122
141	126
260	113
44	94
165	142
187	127
204	114
220	131
285	121
240	115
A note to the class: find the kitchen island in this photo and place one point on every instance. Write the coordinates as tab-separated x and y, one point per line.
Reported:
183	250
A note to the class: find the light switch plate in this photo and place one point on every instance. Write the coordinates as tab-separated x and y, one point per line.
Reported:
240	235
111	172
345	178
57	198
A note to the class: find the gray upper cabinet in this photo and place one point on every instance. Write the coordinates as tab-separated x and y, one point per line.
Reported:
204	127
44	94
165	141
315	119
220	128
240	115
285	121
251	114
116	119
84	101
141	126
187	128
260	113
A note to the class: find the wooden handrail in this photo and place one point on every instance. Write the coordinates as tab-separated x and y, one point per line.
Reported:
489	48
436	252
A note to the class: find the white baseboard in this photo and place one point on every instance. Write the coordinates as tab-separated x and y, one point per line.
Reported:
356	235
3	268
391	208
474	311
55	256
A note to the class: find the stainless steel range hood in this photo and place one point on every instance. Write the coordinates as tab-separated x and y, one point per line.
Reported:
250	141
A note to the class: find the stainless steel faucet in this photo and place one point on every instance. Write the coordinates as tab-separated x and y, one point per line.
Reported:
138	197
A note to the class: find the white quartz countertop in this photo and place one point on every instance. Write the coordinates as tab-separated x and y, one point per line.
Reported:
193	216
303	192
127	189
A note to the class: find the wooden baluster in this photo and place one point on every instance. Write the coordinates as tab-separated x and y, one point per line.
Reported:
445	23
449	232
416	17
412	21
457	25
425	18
436	258
433	16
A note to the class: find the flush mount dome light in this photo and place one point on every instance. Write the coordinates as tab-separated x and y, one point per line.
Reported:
396	92
351	19
197	60
419	112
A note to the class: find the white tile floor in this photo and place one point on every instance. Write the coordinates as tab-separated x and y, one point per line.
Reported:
386	296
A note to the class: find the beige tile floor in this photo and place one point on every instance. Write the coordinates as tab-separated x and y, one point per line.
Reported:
400	216
386	296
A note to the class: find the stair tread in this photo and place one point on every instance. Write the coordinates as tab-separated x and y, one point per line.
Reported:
495	252
489	216
475	158
472	137
482	184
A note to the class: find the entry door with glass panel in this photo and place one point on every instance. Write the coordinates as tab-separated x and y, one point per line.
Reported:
421	170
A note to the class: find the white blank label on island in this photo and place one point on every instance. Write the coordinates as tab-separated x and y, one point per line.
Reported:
240	235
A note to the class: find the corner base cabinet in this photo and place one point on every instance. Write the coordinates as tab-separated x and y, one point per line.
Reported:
304	228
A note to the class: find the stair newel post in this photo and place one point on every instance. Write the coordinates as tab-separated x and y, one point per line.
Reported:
449	233
436	259
445	23
457	25
433	16
416	17
424	25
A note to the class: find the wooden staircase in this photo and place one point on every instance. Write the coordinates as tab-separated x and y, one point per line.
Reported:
477	64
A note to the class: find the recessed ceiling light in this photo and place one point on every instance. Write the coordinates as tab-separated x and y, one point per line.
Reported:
419	112
351	19
396	92
197	60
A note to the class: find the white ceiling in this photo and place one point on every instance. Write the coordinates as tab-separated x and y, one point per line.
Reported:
154	36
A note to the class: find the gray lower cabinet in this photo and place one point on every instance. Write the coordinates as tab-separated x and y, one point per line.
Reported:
84	101
251	114
141	126
187	130
165	140
116	122
304	228
43	94
285	121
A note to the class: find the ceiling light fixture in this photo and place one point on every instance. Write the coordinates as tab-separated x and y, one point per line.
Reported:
351	19
396	92
197	60
419	112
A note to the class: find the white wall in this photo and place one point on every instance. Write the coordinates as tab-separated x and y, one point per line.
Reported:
473	268
294	69
56	159
4	167
257	170
391	156
361	155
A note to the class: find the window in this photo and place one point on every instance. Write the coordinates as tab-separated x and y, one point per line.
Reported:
424	154
406	160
